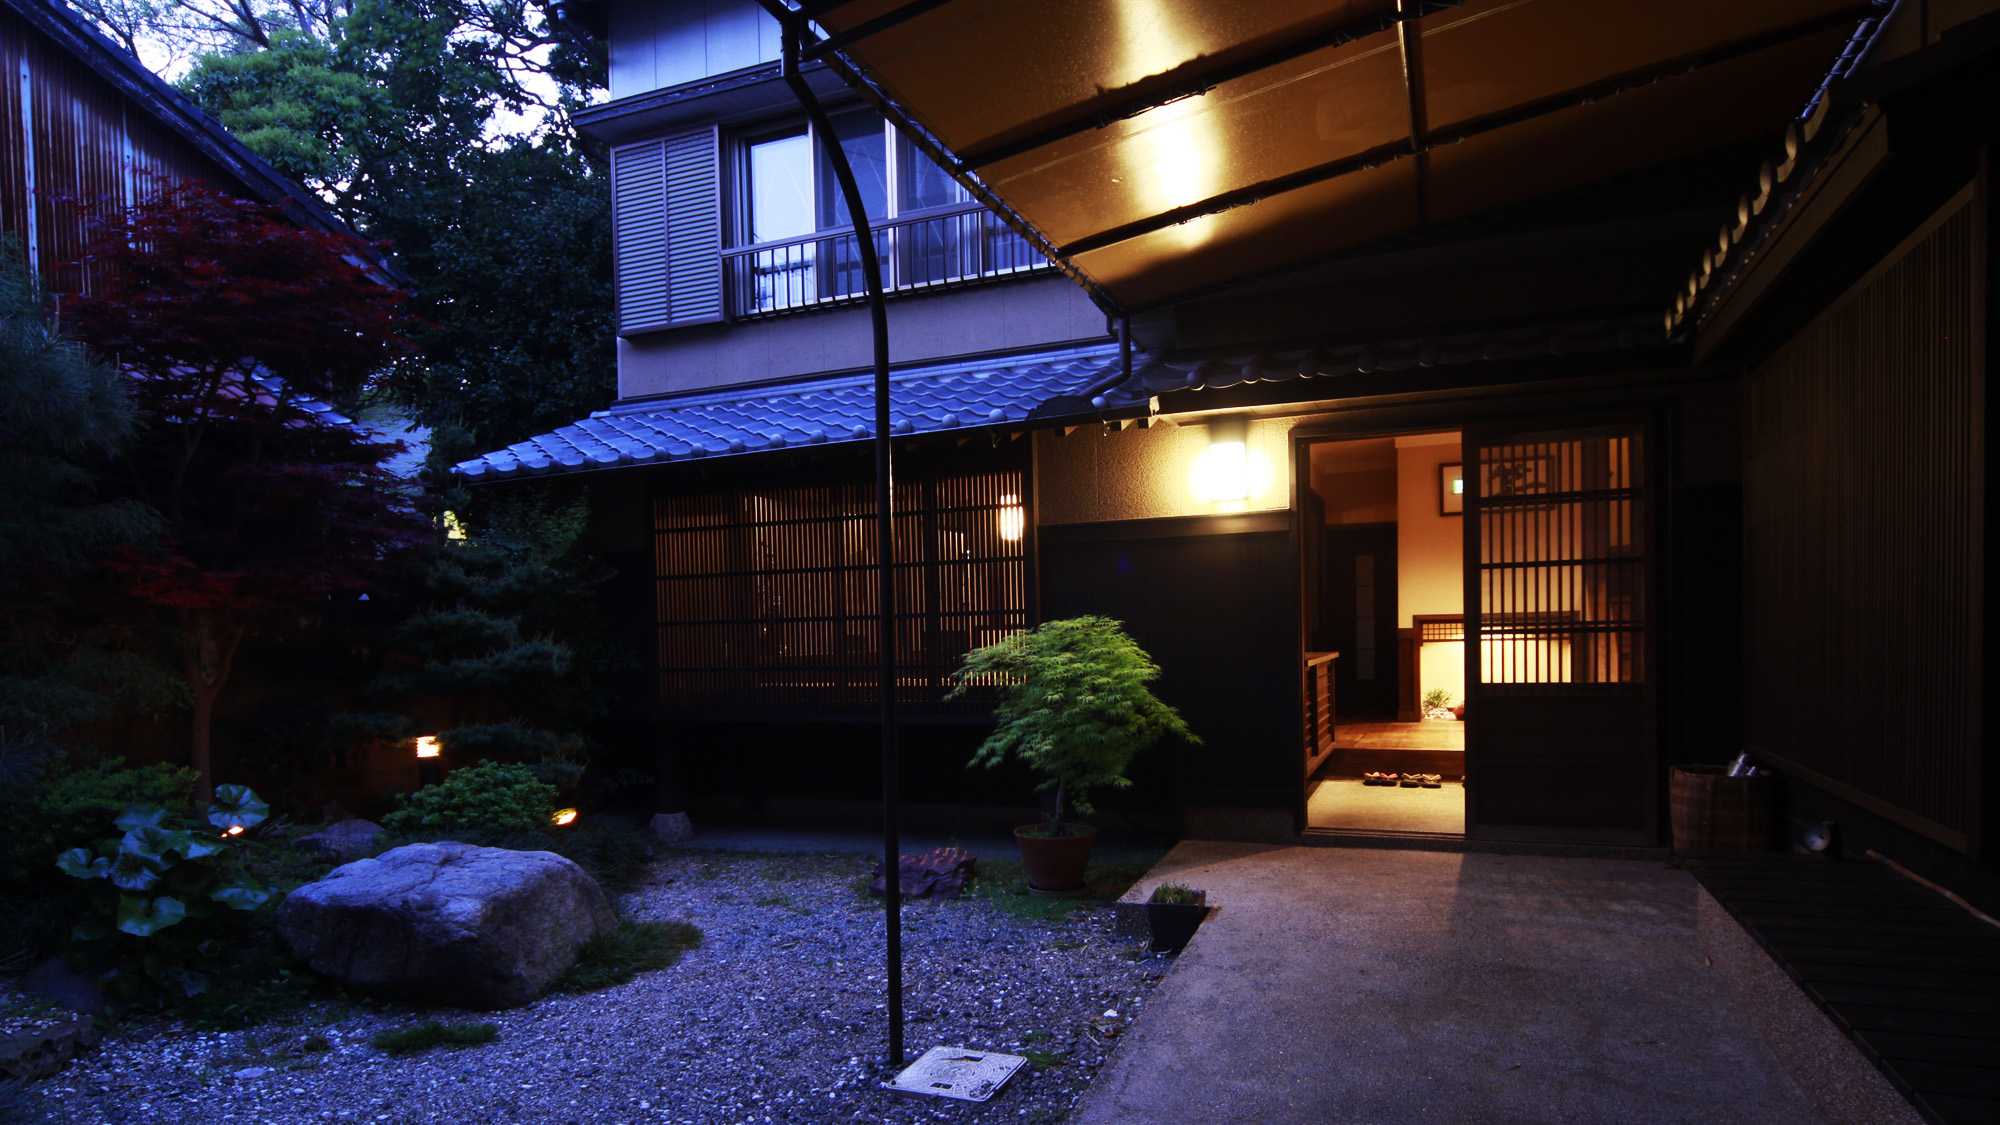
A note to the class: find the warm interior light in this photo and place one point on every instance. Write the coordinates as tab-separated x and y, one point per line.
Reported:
452	528
564	816
1012	519
427	746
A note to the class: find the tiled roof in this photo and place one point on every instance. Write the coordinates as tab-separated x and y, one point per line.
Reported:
935	398
1154	376
1038	389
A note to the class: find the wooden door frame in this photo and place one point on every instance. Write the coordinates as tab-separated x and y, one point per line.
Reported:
1338	426
1655	432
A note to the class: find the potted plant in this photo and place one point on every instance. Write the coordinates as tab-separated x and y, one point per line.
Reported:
1173	913
1073	705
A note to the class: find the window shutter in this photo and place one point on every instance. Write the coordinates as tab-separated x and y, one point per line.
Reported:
666	207
694	228
639	235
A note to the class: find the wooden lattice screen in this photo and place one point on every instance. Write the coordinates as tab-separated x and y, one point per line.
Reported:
767	596
1561	564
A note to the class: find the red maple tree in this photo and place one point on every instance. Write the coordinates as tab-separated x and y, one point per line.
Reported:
237	330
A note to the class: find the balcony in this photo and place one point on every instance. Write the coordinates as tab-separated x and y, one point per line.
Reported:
925	251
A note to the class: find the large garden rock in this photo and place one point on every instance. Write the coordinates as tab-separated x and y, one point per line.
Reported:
478	928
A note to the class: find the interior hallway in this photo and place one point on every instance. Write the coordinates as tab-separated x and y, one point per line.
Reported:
1336	798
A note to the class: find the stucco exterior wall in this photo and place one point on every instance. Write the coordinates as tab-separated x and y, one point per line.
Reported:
1016	314
1097	474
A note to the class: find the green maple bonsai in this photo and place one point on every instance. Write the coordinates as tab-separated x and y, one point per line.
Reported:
1073	705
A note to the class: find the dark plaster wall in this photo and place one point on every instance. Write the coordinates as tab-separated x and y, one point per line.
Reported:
1219	614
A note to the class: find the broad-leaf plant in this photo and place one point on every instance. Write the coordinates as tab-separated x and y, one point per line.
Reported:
163	894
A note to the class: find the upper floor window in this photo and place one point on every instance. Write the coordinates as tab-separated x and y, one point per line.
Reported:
794	244
708	226
778	174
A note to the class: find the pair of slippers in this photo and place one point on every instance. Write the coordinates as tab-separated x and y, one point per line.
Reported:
1406	781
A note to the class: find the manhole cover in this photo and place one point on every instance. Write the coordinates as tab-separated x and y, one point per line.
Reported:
954	1072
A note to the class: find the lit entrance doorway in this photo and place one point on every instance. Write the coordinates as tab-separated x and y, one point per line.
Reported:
1384	636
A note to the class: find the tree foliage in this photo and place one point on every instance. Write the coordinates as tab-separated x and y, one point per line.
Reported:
498	626
1073	704
237	330
296	105
63	655
391	113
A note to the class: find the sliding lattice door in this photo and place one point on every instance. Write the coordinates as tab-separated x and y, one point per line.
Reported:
1560	630
766	596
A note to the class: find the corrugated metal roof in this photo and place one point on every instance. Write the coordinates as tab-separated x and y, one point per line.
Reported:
178	112
1005	391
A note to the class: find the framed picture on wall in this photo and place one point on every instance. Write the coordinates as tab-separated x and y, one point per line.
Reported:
1451	490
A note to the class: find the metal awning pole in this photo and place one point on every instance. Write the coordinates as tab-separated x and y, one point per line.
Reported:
885	526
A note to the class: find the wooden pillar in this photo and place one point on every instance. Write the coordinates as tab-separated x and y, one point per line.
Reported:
1409	704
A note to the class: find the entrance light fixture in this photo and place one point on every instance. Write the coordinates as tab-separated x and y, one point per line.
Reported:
1222	472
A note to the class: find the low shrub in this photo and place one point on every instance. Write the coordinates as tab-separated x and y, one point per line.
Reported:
613	851
424	1036
483	797
72	810
624	953
488	797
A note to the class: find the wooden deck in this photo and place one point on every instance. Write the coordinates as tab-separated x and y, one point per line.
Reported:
1913	978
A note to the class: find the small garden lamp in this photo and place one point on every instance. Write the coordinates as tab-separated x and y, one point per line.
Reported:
429	768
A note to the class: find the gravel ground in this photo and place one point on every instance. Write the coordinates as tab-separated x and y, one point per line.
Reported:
778	1017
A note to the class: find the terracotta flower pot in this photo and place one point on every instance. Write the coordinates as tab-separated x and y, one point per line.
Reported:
1055	863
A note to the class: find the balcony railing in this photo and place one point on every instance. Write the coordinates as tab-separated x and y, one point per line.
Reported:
924	252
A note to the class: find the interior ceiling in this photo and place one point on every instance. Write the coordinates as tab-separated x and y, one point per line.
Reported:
1307	127
1358	455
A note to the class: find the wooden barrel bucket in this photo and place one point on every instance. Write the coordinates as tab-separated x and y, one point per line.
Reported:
1713	812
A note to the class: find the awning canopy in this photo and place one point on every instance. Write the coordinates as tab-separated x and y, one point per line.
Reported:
1162	149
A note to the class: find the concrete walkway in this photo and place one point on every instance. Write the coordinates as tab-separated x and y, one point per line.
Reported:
1352	985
